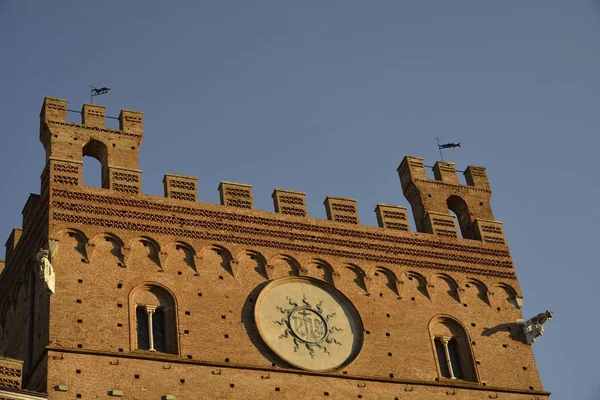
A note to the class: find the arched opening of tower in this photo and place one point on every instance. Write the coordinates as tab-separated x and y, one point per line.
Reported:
458	207
95	164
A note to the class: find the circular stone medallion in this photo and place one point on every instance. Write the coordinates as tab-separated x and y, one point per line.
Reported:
308	323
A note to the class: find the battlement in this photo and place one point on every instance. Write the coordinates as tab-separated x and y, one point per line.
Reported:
412	169
92	115
233	195
432	200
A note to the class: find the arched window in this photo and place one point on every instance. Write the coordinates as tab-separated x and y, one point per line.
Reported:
456	205
97	150
155	325
452	349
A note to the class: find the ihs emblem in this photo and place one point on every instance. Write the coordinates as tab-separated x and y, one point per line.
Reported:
308	326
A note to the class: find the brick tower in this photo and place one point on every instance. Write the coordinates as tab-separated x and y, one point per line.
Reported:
107	292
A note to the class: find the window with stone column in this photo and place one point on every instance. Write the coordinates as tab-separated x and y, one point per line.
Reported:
452	349
154	327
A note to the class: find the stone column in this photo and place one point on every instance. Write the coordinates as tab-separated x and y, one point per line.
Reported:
445	341
150	310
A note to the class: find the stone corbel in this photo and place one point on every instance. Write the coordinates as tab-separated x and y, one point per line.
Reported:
460	292
234	267
126	251
269	268
196	260
90	249
367	282
520	301
162	259
488	298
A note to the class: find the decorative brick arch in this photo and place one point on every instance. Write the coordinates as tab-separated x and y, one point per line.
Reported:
481	288
359	275
448	283
326	270
390	278
226	258
275	269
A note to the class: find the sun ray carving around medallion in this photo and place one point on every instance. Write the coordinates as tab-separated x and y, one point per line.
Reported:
308	327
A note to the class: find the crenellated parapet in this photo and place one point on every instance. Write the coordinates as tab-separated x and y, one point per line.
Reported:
341	209
234	194
181	187
392	217
432	200
289	202
441	206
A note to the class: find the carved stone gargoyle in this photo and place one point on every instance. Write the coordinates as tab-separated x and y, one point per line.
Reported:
534	327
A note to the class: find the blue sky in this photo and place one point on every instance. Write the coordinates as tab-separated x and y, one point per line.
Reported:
326	98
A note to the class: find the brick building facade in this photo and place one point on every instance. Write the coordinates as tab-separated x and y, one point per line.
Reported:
171	298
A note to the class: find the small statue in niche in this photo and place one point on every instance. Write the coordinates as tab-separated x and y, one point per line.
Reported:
534	327
45	269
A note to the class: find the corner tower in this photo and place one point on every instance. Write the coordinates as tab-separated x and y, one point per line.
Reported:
432	201
66	143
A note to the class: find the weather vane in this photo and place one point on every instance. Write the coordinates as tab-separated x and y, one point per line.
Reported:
97	92
445	146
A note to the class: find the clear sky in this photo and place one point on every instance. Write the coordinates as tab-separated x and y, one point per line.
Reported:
326	97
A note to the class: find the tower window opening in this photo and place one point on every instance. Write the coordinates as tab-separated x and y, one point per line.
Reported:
95	173
458	207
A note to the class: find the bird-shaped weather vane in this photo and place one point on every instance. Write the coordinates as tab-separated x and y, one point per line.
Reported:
97	92
445	146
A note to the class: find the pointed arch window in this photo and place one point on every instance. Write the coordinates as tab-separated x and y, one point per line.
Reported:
155	327
452	348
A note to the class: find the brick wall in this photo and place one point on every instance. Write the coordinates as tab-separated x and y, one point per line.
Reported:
215	283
